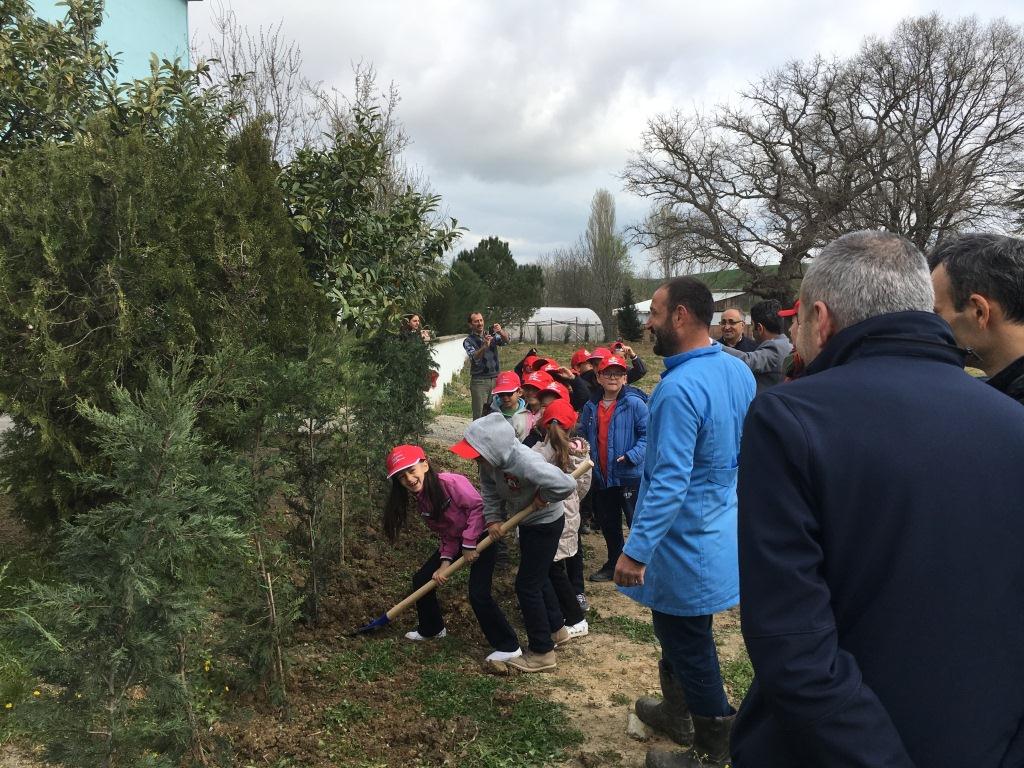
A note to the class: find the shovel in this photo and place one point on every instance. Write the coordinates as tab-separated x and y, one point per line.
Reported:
508	525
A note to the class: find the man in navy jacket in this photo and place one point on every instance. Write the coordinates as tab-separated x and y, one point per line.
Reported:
880	536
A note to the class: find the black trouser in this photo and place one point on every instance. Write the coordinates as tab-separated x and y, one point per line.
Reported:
587	510
492	620
574	566
609	506
688	648
566	593
537	599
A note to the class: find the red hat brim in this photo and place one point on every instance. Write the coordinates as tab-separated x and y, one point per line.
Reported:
465	450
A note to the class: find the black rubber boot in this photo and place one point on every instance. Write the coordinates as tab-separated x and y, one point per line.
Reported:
669	715
710	746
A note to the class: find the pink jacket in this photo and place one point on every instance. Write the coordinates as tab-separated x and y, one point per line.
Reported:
462	522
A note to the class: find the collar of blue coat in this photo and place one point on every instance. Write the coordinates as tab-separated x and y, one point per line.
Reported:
675	360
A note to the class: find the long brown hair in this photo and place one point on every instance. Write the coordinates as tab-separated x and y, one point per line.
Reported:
558	439
396	508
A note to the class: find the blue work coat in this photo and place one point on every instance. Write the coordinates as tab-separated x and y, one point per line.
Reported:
684	527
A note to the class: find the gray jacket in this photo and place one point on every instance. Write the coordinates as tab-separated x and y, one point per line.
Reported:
515	474
767	362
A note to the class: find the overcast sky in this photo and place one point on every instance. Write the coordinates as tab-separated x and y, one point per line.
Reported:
520	111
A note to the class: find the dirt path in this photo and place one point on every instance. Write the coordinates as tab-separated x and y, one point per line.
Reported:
600	676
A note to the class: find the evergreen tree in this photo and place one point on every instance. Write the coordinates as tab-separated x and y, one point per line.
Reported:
628	318
125	622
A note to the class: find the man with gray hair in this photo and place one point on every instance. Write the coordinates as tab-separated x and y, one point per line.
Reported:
979	291
880	536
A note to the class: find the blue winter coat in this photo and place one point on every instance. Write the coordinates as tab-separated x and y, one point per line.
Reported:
627	436
684	527
881	540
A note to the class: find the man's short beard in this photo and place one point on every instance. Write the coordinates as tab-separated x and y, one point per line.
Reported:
666	341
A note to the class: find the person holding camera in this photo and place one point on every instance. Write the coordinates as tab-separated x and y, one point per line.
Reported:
482	349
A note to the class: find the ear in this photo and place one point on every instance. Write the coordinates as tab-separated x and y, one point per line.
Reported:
826	325
980	309
680	316
759	329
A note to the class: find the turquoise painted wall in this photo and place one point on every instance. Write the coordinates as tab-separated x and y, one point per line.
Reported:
134	29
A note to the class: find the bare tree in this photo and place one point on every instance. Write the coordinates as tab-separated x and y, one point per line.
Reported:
566	277
920	133
607	257
261	74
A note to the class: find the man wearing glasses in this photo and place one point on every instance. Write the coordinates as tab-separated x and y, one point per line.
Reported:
734	331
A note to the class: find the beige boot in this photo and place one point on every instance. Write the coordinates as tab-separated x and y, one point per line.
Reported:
561	637
533	662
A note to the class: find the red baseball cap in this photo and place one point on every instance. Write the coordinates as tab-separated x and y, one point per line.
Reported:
549	365
507	381
579	356
790	312
465	450
599	353
611	362
560	411
559	389
529	361
402	457
537	379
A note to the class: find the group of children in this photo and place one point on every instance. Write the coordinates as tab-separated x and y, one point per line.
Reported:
544	420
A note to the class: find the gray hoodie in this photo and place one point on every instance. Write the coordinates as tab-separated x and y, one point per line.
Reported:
515	474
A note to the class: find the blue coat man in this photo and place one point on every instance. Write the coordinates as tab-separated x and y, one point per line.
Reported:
680	559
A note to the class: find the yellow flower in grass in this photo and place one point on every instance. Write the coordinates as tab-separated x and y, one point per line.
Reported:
207	666
37	693
8	705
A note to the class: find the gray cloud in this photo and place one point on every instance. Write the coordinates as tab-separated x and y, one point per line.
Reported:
520	111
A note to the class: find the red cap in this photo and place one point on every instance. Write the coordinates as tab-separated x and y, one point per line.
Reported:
402	457
559	389
560	411
529	361
610	362
465	450
599	353
507	381
579	356
790	312
537	379
549	366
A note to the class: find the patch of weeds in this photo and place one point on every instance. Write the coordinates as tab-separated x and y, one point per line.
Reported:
623	657
367	664
514	732
532	733
445	693
620	699
634	629
738	674
345	713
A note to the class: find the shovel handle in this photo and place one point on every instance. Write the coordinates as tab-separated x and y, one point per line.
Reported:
506	526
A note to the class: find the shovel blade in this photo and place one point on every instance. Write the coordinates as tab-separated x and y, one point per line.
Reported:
380	621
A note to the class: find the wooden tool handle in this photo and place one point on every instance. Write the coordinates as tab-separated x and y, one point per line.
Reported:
506	526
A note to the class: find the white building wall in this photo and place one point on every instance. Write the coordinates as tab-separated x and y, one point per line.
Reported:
450	357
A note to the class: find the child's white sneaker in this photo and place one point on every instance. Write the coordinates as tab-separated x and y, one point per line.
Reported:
414	635
578	630
505	655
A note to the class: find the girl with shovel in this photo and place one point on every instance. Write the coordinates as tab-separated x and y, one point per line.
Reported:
451	507
514	474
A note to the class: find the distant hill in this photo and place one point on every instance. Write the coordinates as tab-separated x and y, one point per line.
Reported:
719	280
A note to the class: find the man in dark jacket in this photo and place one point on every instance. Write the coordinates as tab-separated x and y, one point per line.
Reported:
880	536
734	332
979	291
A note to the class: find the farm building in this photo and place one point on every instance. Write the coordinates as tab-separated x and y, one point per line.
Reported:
574	325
